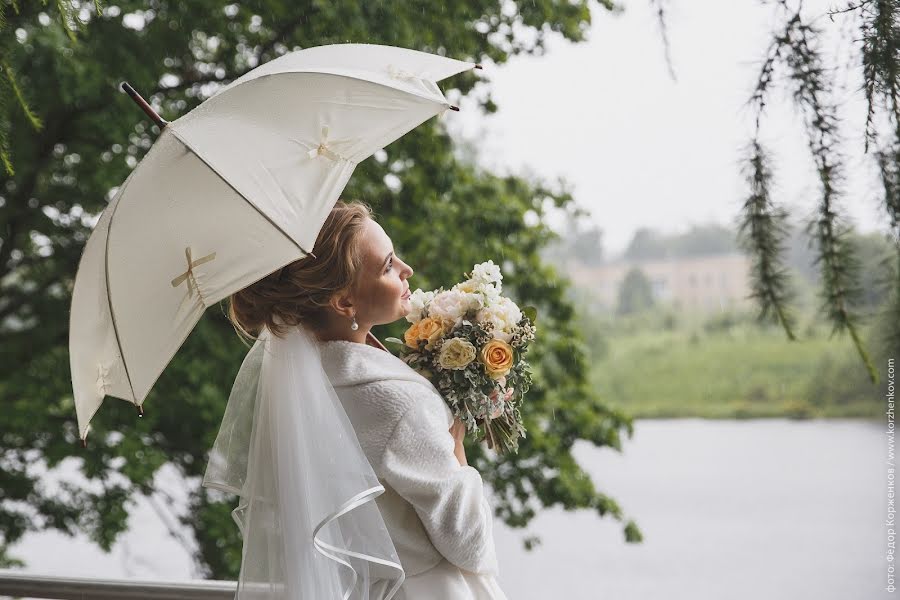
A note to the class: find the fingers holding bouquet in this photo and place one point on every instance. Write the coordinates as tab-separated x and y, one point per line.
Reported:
470	342
500	405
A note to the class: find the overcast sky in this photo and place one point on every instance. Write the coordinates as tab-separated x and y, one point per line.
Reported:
643	150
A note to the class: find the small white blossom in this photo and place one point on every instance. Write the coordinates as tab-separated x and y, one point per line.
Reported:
488	272
418	300
491	295
484	287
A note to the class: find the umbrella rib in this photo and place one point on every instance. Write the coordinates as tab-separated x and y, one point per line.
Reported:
300	71
238	192
109	303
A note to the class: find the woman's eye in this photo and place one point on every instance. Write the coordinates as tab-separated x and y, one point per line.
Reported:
390	265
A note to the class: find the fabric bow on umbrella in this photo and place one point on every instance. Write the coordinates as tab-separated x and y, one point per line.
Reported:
230	192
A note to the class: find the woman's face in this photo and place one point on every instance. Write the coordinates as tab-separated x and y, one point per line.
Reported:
381	293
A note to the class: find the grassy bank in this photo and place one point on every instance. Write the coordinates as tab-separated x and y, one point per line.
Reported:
728	367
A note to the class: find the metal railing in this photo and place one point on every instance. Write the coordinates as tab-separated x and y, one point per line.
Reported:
24	585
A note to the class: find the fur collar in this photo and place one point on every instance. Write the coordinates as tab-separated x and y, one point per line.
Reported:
351	363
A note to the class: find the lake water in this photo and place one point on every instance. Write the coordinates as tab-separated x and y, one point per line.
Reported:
757	509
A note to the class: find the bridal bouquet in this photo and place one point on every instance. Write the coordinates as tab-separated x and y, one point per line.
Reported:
470	342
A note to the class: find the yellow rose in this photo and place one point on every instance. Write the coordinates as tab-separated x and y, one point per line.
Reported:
456	353
497	358
429	329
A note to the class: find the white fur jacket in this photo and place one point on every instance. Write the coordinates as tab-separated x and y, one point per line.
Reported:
432	506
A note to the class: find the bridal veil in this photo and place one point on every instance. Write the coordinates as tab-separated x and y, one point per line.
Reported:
306	512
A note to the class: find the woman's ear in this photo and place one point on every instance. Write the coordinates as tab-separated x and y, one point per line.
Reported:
342	304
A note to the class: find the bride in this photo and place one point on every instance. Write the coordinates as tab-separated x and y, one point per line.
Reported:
322	420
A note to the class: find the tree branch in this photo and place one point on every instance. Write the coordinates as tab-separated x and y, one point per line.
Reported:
192	79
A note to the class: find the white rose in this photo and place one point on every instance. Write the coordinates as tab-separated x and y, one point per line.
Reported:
469	286
452	305
513	312
504	314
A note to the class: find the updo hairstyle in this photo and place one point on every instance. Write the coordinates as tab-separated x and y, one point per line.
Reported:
299	293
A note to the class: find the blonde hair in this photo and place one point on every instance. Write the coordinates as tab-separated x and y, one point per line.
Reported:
299	293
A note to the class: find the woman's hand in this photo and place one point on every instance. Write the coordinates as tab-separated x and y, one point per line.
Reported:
506	398
458	431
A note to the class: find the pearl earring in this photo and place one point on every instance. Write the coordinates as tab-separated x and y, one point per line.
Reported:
354	325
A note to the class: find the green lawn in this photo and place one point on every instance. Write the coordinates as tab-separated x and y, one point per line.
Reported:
736	372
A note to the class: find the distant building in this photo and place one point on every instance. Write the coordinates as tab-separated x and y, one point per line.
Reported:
702	283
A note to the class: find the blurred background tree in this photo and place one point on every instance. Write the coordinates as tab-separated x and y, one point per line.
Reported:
78	139
635	293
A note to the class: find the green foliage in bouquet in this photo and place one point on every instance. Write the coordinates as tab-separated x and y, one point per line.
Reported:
468	388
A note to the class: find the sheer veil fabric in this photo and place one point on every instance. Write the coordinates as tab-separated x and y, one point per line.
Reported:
310	526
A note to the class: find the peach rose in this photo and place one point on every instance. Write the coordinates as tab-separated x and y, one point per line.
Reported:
429	329
497	358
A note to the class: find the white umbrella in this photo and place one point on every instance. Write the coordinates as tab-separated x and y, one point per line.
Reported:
230	192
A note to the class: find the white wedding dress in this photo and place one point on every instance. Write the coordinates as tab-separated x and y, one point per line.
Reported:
435	509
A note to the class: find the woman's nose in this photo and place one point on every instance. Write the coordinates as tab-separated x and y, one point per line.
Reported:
409	269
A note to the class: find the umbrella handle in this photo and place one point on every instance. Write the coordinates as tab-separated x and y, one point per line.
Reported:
160	122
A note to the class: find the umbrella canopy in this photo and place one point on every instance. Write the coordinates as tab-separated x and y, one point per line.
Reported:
230	192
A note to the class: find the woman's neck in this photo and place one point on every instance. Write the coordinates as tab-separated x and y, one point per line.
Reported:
367	337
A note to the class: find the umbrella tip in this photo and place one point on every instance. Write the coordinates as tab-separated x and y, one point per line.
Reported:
84	442
478	66
140	410
456	108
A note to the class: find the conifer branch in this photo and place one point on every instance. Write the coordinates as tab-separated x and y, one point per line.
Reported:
20	97
762	232
9	86
880	37
839	266
806	74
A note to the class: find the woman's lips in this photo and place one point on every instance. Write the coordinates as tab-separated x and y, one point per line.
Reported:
406	295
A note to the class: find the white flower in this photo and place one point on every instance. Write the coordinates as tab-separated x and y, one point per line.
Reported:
491	295
469	286
418	300
476	298
483	291
504	314
488	272
452	305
